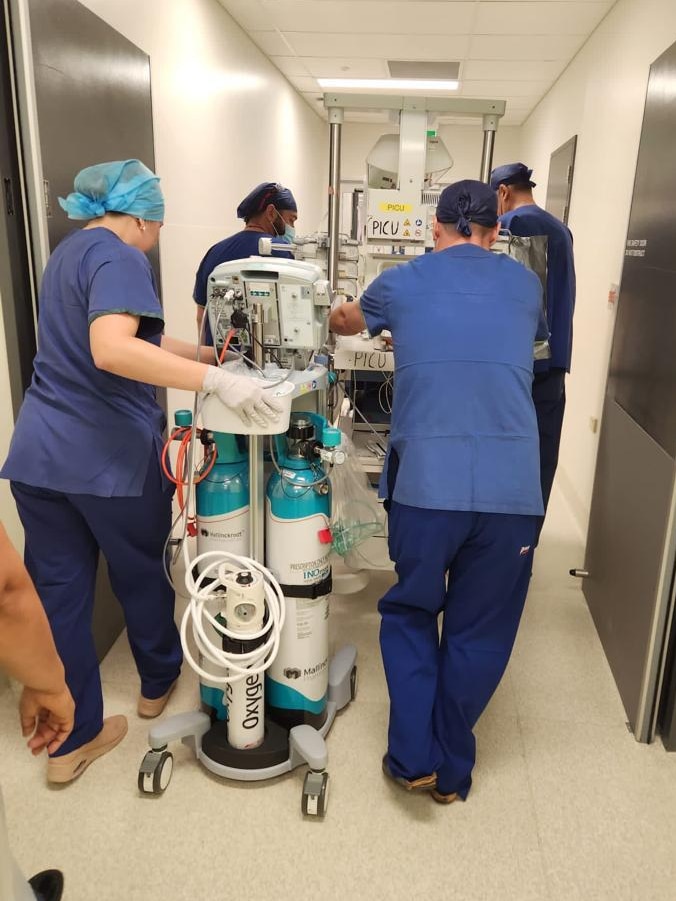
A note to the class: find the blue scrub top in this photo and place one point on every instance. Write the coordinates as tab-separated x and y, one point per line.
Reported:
528	221
81	430
464	432
237	247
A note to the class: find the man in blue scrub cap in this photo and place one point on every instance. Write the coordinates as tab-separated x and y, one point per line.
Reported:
268	211
522	216
84	461
461	483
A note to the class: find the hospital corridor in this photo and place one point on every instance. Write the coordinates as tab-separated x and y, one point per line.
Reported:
337	450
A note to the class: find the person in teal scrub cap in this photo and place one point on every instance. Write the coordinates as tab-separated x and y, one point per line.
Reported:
84	461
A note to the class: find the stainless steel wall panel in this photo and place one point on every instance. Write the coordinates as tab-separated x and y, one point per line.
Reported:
626	541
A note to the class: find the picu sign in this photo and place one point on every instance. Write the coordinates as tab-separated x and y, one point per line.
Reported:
396	222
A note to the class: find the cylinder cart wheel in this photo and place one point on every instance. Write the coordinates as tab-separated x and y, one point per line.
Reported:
315	799
155	772
354	683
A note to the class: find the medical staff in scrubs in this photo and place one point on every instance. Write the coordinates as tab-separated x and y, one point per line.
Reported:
522	216
84	461
461	483
268	211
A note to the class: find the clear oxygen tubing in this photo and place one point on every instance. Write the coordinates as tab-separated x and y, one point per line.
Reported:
203	591
199	594
183	517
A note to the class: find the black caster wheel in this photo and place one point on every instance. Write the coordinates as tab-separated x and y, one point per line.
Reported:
154	774
315	800
354	683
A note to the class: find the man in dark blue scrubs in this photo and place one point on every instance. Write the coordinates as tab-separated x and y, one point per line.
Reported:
522	216
461	483
268	211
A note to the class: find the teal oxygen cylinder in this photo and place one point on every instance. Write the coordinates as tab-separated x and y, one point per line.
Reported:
222	507
298	545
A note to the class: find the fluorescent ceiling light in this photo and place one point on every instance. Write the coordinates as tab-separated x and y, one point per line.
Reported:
395	84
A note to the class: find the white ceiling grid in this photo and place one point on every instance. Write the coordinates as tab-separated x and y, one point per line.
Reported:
511	50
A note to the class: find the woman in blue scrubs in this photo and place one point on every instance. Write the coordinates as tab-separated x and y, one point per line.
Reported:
84	458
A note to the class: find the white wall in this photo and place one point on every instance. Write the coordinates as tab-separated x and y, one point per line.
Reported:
225	119
464	143
600	97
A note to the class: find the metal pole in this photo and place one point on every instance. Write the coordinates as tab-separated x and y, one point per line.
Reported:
490	127
335	126
256	469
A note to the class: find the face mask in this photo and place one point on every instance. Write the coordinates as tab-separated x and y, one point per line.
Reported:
290	233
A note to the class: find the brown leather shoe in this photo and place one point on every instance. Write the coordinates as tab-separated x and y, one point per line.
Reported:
444	799
70	766
149	708
422	784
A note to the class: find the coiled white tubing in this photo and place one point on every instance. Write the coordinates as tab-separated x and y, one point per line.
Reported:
238	666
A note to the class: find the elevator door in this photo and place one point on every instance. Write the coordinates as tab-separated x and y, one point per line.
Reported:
93	99
630	551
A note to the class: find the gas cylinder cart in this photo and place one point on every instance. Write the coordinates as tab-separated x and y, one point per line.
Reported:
269	692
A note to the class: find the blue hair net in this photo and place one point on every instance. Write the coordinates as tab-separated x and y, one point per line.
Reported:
125	186
468	201
263	194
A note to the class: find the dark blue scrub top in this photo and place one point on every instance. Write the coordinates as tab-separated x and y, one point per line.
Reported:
237	247
464	432
528	221
81	430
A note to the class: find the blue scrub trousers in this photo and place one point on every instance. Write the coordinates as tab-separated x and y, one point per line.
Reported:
475	569
64	533
549	397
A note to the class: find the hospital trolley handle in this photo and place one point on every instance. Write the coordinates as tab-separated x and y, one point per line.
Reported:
266	247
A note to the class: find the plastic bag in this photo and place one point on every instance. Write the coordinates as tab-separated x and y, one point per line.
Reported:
356	514
532	253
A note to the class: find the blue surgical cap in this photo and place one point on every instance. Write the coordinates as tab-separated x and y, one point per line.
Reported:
265	193
468	201
511	174
125	186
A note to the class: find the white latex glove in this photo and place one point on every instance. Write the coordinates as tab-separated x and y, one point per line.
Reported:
243	395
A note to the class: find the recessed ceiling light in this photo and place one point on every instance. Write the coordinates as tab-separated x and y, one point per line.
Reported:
395	84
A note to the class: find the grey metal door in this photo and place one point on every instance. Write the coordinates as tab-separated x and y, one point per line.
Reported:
92	90
560	182
86	99
630	551
15	264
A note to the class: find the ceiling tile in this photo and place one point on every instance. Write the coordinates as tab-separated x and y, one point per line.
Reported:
376	17
499	89
508	49
291	65
548	47
394	46
512	70
344	67
539	17
271	43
